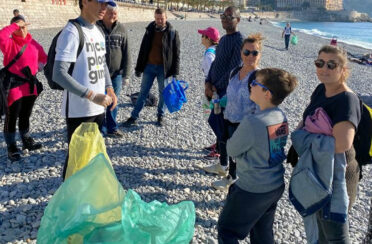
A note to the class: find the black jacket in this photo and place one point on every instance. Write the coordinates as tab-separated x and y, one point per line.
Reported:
171	50
117	49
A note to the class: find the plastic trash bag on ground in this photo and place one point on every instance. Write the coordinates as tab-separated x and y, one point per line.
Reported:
90	199
156	222
86	143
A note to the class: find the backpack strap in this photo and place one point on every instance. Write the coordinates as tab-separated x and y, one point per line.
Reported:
19	54
210	50
234	71
76	23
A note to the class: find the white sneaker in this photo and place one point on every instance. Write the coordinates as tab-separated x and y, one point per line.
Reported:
224	183
217	169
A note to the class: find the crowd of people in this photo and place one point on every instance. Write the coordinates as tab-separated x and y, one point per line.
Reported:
251	130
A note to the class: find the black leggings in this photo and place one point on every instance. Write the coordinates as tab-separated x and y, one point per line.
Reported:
73	124
22	109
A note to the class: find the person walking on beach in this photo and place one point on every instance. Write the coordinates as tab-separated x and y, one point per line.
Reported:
287	34
84	98
159	57
239	103
20	85
258	147
15	12
228	56
118	62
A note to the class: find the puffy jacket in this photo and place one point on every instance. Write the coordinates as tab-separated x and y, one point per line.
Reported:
171	50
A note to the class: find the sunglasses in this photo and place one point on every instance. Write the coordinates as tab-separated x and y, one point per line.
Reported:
227	17
246	52
255	83
331	64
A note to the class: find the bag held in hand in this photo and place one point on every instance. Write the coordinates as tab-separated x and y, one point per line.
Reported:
174	95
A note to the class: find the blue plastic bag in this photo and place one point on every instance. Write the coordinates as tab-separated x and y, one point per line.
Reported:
174	95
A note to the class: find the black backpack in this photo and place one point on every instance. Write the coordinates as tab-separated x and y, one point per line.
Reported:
363	137
48	68
251	77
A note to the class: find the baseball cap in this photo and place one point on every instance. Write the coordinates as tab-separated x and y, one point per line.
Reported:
109	2
211	32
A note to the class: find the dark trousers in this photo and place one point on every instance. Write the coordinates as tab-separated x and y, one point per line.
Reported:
229	129
332	231
248	213
21	110
286	39
73	124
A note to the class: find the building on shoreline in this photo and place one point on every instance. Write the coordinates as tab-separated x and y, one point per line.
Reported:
329	5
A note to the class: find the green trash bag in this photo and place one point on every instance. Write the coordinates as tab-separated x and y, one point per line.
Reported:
156	222
148	223
91	198
294	40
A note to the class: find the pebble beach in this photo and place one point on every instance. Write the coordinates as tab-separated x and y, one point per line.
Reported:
162	163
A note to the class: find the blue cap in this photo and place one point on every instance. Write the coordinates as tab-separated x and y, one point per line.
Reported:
109	2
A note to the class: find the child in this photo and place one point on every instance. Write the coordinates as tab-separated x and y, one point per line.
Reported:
210	38
251	202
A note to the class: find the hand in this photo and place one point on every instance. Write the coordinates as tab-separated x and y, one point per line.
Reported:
137	74
101	99
22	24
111	94
125	81
209	90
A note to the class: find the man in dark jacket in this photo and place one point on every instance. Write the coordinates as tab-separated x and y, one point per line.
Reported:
159	57
118	62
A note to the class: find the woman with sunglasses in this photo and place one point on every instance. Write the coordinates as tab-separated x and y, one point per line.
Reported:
239	103
342	106
21	85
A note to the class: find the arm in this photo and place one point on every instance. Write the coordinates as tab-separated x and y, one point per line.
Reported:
241	141
176	53
343	132
109	90
65	80
5	39
126	60
138	68
283	33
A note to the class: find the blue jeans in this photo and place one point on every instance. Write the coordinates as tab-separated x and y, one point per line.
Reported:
286	39
110	123
248	213
151	71
332	231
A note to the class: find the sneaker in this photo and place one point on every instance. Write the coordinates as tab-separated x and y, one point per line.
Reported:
224	183
131	121
216	169
115	134
13	153
30	144
212	156
211	148
160	121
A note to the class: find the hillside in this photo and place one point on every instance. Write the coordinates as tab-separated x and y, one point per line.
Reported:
364	6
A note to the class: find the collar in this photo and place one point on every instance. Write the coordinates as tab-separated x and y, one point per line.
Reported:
22	41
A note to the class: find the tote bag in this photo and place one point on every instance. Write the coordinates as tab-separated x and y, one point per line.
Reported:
174	95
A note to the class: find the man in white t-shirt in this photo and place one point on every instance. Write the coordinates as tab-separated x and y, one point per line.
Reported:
287	34
84	98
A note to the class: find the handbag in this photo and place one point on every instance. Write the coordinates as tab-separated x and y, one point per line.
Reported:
5	83
174	95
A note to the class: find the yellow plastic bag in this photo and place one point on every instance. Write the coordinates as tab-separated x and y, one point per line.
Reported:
86	143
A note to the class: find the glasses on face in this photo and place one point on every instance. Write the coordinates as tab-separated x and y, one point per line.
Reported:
255	83
331	64
227	17
246	52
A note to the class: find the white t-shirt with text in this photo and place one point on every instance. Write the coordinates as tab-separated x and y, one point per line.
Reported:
89	67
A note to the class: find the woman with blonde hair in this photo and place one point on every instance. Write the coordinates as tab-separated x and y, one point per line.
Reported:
238	105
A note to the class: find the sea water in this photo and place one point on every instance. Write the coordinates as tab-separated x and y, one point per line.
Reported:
358	33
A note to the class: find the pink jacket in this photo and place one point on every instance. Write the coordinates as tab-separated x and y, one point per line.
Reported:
34	53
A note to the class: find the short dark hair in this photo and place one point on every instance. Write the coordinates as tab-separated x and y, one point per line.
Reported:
235	10
81	3
15	11
280	83
160	11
